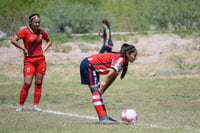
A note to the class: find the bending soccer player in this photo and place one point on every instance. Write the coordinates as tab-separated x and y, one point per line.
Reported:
108	63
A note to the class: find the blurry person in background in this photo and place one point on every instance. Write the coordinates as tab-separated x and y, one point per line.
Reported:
106	35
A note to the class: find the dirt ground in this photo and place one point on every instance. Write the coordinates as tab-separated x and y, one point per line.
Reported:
153	50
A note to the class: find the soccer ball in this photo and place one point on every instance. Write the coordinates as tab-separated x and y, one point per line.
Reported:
129	116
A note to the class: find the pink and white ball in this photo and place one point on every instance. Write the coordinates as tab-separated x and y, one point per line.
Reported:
129	116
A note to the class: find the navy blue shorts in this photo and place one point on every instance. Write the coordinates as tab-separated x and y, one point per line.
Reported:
104	48
88	74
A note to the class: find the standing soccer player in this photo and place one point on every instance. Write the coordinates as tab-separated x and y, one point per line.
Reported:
34	59
108	63
107	41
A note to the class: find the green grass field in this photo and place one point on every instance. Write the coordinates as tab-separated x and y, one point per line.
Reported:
164	105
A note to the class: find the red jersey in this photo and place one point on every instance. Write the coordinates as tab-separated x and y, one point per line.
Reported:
103	63
33	41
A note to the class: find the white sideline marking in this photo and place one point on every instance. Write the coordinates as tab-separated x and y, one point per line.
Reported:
69	114
59	113
95	118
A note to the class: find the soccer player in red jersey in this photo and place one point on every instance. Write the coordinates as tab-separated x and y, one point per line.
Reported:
110	64
34	59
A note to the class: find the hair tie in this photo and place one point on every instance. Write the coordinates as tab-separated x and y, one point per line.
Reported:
33	17
132	47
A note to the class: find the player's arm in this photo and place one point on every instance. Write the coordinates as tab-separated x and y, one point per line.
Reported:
15	42
99	33
109	79
49	43
107	37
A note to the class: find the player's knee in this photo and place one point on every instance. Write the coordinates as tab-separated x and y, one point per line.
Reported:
27	86
27	82
38	85
93	90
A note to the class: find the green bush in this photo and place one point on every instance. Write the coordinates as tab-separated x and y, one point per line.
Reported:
137	15
72	17
83	16
15	13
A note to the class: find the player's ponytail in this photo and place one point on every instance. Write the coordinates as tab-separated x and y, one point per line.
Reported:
126	48
105	21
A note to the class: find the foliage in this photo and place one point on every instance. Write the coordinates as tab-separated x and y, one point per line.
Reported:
78	16
15	13
72	17
156	14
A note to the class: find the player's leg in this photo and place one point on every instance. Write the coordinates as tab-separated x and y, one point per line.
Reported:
25	89
37	91
29	71
103	48
97	98
99	105
38	88
91	78
40	72
87	79
109	48
98	102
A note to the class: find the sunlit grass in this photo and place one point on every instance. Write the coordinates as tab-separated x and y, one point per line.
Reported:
163	104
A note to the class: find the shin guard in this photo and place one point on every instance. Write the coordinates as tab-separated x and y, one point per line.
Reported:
98	102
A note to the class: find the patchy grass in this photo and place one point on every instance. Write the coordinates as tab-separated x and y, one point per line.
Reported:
5	42
63	38
59	47
84	48
167	105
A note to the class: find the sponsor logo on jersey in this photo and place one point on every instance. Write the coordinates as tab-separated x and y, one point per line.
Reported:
28	69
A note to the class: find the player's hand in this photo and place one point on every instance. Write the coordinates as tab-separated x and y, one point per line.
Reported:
44	51
101	91
25	52
106	44
99	33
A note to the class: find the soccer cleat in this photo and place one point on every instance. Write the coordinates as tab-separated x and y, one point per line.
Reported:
36	108
107	120
19	108
112	119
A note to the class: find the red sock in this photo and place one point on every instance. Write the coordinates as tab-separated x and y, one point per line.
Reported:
37	92
99	104
104	107
24	93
